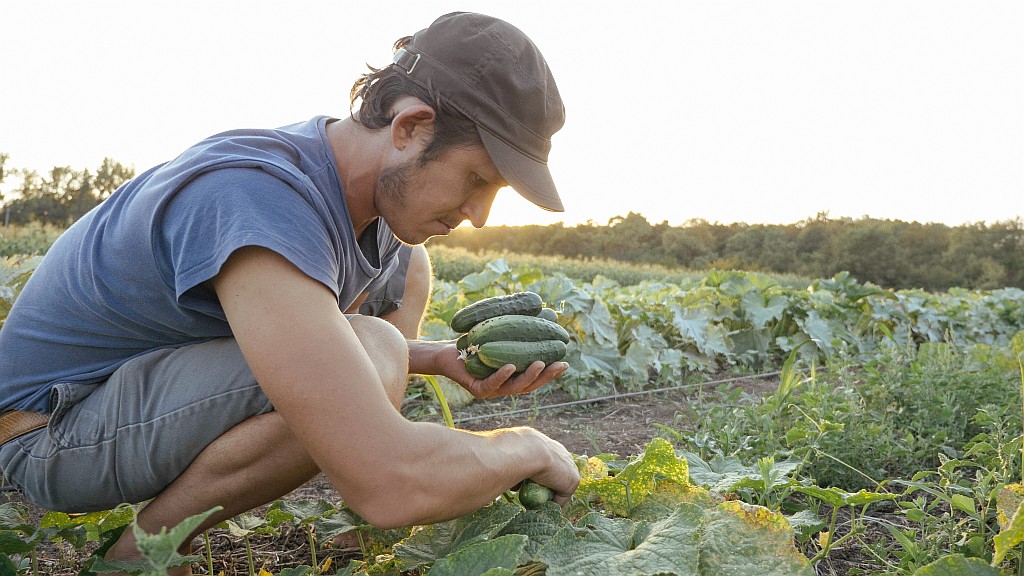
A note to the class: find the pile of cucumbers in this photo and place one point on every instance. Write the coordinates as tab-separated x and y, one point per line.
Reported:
510	329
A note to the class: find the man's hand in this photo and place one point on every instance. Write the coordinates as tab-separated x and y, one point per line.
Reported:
504	382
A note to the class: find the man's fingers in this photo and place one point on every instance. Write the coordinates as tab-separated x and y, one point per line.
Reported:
505	382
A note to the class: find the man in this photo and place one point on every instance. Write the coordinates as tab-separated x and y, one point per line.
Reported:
185	341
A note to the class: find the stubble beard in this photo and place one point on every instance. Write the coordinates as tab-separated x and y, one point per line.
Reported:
393	192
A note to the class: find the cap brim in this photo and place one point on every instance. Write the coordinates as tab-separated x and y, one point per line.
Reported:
530	178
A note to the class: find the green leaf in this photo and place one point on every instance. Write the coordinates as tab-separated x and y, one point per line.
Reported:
336	524
963	503
304	512
245	524
160	550
12	543
725	474
762	310
13	515
832	496
806	524
836	498
429	543
501	552
7	567
619	546
957	565
539	525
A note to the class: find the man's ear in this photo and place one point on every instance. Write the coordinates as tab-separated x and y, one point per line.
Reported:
413	123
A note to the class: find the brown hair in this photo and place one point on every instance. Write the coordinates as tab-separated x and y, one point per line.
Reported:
378	91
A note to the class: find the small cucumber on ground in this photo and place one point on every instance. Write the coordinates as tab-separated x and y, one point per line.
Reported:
477	368
522	303
517	328
521	354
533	495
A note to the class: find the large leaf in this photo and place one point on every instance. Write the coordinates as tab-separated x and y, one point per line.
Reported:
726	474
540	525
957	565
1012	533
430	543
502	552
627	489
744	540
763	309
611	546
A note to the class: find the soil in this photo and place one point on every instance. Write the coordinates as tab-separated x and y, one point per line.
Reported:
622	425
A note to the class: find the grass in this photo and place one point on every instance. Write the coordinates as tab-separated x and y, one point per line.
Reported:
939	429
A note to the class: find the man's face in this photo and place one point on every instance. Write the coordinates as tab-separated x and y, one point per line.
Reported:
418	202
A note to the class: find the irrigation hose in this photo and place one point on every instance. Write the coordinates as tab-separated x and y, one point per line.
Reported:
613	397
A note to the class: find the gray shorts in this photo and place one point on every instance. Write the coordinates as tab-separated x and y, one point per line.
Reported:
126	439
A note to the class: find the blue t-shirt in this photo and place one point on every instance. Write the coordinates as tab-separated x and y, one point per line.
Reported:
131	275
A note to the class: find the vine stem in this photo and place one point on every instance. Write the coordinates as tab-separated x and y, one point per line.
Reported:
209	551
441	400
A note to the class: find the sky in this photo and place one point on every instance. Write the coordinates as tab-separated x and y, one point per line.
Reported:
728	111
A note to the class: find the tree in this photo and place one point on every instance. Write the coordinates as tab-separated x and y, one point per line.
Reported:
65	194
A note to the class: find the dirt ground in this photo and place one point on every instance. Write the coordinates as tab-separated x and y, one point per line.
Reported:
621	426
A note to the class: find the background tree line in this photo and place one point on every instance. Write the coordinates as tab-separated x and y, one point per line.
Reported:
890	253
61	196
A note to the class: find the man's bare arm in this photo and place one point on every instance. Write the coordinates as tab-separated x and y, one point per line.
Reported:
316	371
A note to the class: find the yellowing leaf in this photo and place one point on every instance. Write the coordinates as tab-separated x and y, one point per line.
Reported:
1010	535
1008	499
595	468
629	488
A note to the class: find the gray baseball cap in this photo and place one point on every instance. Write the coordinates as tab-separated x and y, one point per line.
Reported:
491	72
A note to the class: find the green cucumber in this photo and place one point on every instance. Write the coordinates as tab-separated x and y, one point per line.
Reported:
549	314
477	368
522	303
533	495
513	327
521	354
463	342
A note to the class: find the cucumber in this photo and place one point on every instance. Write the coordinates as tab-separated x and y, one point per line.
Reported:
513	327
533	495
463	342
522	303
477	368
521	354
548	314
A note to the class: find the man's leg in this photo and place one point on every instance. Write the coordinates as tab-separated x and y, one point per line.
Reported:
258	460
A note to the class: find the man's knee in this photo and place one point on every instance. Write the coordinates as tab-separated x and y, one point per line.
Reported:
389	352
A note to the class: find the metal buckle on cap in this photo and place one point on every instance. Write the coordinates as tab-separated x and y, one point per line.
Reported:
402	56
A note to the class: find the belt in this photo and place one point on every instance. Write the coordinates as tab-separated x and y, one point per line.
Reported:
18	422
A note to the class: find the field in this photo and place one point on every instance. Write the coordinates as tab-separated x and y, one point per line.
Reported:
726	423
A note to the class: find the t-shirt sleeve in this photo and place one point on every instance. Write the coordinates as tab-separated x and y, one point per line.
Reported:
223	210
